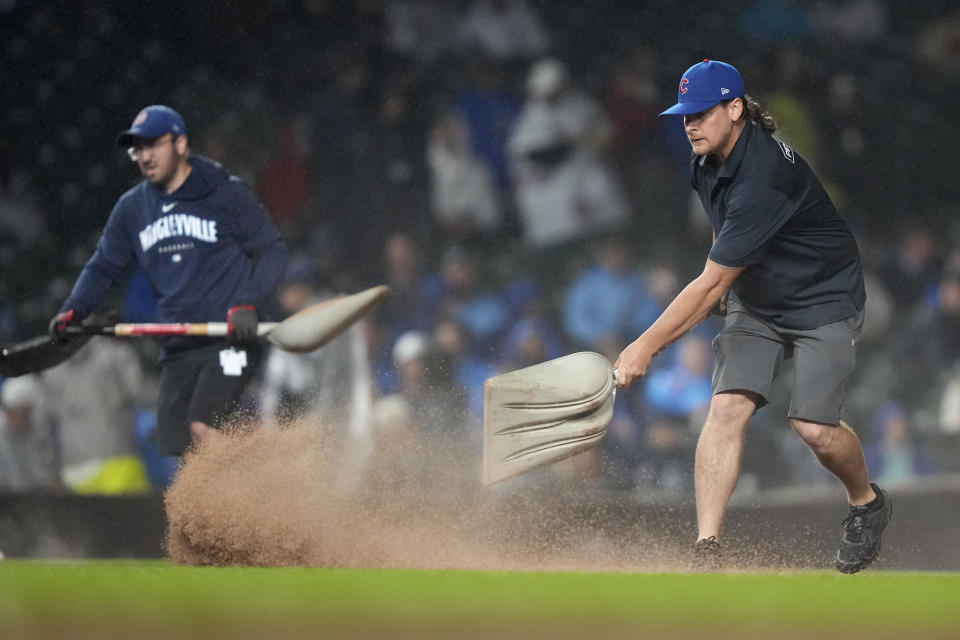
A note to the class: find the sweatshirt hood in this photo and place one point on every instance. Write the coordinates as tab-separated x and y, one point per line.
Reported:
206	175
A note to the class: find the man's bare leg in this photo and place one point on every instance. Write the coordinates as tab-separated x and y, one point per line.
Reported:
717	463
838	450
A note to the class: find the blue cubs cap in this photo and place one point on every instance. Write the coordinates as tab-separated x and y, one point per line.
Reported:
705	84
153	122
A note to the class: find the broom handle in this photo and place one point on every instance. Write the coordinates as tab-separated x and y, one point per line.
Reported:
212	329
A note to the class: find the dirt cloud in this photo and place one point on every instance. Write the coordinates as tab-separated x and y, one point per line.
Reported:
252	497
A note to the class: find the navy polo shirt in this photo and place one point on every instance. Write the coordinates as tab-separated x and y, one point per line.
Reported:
770	214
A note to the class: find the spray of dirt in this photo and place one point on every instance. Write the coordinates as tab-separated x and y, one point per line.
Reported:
291	497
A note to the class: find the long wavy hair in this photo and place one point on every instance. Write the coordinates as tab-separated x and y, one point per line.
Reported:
758	114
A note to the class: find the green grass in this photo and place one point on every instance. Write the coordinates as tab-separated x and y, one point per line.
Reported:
157	599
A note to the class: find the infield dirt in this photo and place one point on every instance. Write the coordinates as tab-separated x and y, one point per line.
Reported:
292	497
253	497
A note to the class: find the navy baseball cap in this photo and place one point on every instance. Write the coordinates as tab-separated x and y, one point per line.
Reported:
705	84
153	122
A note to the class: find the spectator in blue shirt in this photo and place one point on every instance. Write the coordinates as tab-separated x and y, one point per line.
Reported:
609	301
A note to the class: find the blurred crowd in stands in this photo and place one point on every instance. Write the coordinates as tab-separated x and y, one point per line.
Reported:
500	164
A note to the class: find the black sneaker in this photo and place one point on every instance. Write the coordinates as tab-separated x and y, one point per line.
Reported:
706	554
860	541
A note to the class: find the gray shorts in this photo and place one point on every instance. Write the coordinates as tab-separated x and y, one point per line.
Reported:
749	352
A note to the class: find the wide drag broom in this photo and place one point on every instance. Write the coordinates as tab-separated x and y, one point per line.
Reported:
541	414
304	331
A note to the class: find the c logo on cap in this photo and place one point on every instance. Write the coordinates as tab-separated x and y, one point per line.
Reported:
683	85
141	118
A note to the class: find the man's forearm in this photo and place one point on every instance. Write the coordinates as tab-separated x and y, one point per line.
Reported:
267	272
89	290
688	309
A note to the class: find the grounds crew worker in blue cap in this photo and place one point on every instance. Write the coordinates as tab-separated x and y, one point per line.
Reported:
210	252
792	270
